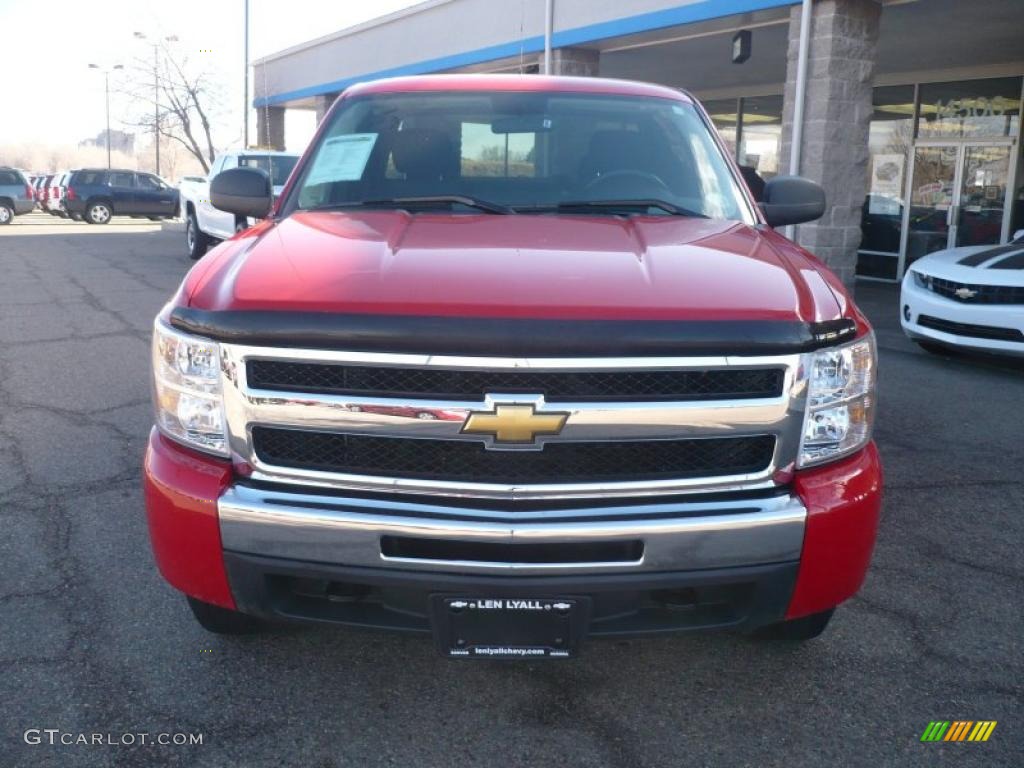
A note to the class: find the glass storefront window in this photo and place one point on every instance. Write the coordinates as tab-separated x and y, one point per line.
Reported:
984	178
724	113
890	139
761	139
970	109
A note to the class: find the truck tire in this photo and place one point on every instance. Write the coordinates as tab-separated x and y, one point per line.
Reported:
98	212
6	214
796	630
196	240
221	621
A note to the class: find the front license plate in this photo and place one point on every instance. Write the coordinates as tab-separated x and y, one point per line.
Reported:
507	628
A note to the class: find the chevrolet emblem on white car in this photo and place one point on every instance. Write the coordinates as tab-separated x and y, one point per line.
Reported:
966	293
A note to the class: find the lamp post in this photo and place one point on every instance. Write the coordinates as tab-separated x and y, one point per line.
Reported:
245	97
106	89
156	90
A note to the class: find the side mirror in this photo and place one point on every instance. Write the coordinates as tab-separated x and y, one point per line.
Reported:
791	200
242	191
1018	236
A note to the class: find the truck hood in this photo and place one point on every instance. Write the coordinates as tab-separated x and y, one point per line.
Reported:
515	266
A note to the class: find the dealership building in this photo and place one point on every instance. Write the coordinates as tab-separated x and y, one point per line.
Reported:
907	112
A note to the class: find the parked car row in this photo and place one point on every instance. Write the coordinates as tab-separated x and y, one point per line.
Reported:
49	190
16	195
93	195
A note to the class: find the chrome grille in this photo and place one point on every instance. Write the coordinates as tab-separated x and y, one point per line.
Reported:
362	421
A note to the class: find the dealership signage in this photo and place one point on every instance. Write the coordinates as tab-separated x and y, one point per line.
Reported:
955	109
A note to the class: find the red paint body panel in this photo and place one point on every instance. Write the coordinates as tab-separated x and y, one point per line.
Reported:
181	489
537	266
843	502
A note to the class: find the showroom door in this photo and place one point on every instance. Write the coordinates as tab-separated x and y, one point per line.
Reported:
979	216
958	196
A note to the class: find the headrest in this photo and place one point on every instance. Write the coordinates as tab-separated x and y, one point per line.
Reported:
423	153
614	150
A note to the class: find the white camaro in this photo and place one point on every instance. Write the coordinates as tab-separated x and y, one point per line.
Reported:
970	297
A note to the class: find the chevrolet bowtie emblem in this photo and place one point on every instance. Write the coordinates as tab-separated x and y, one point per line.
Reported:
514	424
965	293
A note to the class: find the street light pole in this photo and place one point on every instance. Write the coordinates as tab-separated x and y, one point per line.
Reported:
106	93
156	91
245	105
549	25
156	108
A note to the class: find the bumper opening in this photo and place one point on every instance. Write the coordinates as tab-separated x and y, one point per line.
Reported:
970	330
621	604
408	548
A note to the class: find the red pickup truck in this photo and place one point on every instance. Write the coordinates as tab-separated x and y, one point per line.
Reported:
515	361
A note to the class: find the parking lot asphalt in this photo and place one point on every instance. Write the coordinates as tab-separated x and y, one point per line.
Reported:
93	641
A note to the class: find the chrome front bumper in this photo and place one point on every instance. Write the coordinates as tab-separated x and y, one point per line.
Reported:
337	530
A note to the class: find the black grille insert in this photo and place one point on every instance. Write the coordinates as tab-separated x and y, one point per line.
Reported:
469	461
438	383
978	294
971	330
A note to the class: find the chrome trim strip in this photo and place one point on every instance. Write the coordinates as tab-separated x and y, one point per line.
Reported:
780	416
344	531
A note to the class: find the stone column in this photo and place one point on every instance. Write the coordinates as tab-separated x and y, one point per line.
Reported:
270	127
578	62
324	103
837	115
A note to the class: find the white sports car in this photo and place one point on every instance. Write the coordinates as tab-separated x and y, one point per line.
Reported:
970	297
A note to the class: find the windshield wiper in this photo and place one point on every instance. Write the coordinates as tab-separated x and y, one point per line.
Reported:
645	204
401	202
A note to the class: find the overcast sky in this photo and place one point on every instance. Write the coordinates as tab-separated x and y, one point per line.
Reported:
50	94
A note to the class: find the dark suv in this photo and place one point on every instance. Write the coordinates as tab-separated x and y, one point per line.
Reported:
97	194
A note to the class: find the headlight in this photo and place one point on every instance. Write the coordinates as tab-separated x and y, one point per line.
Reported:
921	280
840	402
187	391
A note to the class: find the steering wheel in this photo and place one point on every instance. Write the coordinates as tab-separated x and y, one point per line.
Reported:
643	184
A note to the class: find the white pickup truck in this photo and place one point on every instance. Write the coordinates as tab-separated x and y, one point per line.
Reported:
204	224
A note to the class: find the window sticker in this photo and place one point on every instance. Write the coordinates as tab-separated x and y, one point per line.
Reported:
342	158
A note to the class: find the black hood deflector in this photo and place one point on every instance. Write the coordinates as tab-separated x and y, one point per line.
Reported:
509	337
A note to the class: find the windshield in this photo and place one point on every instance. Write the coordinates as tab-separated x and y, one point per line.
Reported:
278	166
518	152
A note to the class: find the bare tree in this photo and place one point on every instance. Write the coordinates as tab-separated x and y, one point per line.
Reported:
184	94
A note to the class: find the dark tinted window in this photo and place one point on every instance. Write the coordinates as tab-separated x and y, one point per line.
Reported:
10	178
279	167
121	180
148	182
90	177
